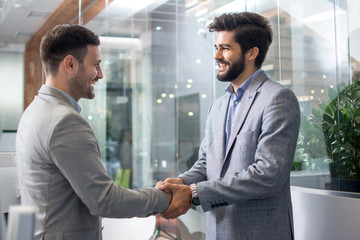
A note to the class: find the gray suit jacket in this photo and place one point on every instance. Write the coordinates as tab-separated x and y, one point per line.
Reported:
245	189
61	173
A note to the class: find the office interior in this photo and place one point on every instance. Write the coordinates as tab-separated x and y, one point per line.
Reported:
160	79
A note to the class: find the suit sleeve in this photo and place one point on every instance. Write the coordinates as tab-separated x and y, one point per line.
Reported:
74	150
269	166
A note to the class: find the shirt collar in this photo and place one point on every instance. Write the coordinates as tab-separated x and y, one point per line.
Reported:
244	85
73	103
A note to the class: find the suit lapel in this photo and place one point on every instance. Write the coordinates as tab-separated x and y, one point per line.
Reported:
245	106
220	133
221	123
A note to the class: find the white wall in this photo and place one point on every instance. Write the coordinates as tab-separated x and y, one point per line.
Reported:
325	215
11	90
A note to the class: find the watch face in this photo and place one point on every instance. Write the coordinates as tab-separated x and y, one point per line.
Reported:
195	201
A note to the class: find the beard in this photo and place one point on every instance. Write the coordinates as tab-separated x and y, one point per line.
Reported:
81	86
234	70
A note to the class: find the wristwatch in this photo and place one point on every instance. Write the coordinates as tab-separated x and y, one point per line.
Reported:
194	195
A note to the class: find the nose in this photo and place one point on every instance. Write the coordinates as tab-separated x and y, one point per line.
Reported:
218	55
99	72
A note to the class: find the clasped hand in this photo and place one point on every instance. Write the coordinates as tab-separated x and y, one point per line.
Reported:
179	197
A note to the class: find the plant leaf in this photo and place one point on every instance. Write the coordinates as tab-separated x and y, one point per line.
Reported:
332	94
328	118
341	86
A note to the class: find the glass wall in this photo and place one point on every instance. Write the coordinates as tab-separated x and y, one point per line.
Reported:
160	81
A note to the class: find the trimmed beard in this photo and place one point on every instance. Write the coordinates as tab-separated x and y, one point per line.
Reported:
78	87
234	70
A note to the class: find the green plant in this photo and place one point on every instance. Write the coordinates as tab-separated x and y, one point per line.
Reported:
310	152
339	121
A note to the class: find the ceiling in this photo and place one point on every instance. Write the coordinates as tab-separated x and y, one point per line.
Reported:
20	19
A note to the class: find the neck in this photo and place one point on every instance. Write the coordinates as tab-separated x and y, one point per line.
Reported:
57	83
242	78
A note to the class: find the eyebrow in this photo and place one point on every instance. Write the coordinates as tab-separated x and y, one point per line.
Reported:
223	45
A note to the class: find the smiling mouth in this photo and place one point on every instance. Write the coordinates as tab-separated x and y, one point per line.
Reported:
222	66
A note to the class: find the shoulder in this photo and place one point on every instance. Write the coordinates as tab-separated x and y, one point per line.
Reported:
59	112
51	114
70	130
272	89
66	117
265	85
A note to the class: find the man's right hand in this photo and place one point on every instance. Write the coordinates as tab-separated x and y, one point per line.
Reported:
181	198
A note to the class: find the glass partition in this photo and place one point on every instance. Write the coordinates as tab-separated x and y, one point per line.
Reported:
11	92
159	81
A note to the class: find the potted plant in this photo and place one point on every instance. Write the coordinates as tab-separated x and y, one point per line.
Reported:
339	121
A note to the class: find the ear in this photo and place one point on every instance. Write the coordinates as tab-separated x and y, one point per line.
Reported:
253	53
70	64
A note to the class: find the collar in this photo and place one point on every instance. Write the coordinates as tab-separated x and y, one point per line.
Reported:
45	89
244	85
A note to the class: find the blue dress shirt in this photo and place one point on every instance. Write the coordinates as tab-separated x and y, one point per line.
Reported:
235	100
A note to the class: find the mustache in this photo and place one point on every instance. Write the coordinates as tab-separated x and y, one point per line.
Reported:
222	61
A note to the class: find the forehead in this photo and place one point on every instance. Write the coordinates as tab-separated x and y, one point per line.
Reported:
225	37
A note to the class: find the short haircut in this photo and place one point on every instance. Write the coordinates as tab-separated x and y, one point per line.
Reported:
63	40
250	30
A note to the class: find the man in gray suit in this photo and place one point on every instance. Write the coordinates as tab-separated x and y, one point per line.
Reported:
59	163
242	176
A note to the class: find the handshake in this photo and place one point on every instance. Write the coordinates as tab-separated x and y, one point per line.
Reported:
179	196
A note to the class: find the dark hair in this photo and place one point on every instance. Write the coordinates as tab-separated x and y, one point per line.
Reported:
250	30
63	40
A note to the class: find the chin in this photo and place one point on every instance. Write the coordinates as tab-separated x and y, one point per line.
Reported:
222	79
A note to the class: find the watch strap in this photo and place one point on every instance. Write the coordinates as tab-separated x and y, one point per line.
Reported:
194	195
